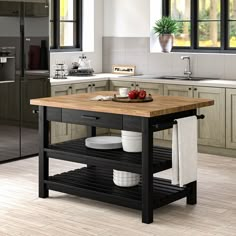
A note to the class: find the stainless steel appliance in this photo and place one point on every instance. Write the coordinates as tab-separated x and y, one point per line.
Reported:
24	34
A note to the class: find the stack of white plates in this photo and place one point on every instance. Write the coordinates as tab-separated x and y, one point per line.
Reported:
104	142
131	141
125	179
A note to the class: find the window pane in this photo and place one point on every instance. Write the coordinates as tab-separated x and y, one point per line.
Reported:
180	9
209	9
67	10
66	34
182	38
232	34
209	34
232	9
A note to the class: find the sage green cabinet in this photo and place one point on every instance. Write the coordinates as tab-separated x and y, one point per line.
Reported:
231	118
116	84
211	130
63	132
176	90
60	131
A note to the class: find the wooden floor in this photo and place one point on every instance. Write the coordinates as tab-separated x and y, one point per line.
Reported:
23	213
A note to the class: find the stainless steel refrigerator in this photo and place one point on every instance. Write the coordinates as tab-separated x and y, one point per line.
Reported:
24	57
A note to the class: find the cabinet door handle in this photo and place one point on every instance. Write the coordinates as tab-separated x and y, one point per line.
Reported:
70	87
137	85
195	89
93	84
89	85
132	85
189	88
89	117
35	111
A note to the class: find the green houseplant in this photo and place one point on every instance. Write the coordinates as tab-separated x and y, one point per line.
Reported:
165	28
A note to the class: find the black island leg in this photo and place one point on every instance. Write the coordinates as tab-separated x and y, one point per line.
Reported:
43	159
147	172
192	194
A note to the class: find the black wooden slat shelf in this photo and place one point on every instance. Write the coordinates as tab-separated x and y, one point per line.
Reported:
76	151
97	183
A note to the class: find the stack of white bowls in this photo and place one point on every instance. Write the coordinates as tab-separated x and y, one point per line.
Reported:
131	142
125	179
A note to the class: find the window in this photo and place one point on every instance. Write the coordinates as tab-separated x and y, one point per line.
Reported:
66	24
203	24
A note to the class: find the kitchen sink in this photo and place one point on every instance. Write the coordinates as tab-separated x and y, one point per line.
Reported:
184	78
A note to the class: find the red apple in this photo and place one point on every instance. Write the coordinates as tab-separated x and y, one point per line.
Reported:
142	94
132	94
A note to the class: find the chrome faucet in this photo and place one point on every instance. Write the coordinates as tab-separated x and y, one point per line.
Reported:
187	71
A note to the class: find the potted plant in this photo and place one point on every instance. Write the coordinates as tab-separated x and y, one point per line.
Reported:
165	28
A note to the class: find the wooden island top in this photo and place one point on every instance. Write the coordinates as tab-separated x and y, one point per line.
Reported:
161	105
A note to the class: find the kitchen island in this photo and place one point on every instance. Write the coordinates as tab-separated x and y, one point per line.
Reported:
95	180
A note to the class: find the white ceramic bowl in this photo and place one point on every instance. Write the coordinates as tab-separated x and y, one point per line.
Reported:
124	174
131	144
130	133
125	179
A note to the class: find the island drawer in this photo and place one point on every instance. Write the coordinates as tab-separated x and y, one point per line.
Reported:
97	119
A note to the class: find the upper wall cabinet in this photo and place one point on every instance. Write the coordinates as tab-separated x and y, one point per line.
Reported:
12	9
36	10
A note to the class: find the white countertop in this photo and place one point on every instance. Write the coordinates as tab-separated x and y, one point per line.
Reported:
79	79
144	78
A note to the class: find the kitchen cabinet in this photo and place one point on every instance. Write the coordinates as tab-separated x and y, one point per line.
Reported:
32	87
60	131
151	88
115	85
211	130
176	90
231	118
63	132
12	9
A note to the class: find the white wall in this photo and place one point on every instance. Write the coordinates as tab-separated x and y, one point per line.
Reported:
127	18
135	18
92	39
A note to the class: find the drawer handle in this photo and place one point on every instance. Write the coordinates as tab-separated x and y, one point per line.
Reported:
89	117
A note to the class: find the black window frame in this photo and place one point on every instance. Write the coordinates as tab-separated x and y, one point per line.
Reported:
56	27
194	29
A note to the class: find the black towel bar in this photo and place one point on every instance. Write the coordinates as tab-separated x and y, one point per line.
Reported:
198	117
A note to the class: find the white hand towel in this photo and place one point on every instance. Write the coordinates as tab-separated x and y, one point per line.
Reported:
186	159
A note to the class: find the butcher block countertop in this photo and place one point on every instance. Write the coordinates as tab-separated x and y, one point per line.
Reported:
161	105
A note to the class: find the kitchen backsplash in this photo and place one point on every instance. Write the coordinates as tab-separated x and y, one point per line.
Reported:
136	51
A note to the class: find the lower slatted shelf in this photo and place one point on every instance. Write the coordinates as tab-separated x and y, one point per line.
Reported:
76	151
97	184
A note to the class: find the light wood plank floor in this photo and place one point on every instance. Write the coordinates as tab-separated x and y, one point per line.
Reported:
23	213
